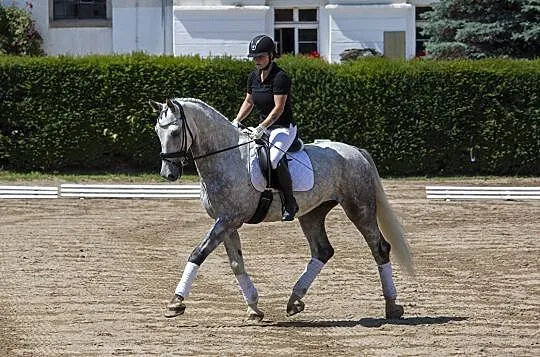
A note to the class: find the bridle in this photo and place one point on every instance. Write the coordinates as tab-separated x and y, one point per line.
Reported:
184	150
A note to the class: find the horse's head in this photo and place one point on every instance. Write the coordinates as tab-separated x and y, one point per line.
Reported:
175	136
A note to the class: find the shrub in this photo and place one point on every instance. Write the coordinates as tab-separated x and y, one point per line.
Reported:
18	34
415	117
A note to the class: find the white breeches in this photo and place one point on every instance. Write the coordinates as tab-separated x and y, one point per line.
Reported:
281	139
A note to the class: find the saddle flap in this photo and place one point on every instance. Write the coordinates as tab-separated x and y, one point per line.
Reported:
300	168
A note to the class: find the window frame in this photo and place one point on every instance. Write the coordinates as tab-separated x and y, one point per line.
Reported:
296	25
97	22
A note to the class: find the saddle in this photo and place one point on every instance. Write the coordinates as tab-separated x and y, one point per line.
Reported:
263	156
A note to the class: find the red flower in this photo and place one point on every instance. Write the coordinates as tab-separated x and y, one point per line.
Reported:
314	54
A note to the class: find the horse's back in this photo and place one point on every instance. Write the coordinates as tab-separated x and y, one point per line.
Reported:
339	167
335	154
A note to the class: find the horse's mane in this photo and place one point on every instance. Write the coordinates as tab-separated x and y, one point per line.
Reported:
206	107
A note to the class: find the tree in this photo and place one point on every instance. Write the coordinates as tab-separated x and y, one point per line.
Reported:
483	28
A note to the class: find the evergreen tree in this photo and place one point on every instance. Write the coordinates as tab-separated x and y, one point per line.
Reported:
483	28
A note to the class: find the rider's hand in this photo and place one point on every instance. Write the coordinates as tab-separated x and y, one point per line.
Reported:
235	123
257	133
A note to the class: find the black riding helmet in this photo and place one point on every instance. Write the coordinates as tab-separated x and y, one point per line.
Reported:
262	45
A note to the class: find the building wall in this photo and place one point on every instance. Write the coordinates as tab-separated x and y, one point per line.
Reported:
131	25
215	28
78	41
363	26
341	26
142	25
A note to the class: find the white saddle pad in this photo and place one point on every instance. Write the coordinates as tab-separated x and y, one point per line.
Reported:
299	167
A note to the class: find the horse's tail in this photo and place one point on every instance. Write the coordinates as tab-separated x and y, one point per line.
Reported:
389	225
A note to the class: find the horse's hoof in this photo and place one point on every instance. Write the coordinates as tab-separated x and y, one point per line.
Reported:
254	314
175	307
255	318
393	310
295	306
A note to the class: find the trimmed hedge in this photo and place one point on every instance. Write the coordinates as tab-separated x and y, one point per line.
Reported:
416	117
92	113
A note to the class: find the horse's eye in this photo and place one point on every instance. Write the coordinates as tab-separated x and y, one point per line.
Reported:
175	133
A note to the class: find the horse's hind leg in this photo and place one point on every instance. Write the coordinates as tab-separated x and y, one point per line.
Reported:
364	218
251	296
321	251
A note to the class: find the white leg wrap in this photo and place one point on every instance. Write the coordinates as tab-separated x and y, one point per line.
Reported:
184	286
251	296
388	287
313	269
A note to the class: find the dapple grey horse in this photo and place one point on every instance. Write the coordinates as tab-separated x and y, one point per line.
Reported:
343	174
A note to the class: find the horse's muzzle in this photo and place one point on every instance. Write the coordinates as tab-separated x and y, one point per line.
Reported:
170	171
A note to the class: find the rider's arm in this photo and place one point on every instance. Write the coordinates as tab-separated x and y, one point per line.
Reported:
279	100
245	108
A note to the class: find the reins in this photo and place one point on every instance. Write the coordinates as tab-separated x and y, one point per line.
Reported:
222	150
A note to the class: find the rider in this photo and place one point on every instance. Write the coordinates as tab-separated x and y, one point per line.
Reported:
269	89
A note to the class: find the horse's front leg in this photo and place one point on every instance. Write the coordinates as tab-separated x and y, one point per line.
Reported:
236	260
221	229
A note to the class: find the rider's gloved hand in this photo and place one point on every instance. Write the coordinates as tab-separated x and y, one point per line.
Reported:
257	133
235	123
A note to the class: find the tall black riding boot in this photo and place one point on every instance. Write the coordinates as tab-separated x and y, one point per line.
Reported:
284	179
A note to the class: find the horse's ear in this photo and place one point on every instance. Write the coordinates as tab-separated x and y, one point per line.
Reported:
155	105
171	106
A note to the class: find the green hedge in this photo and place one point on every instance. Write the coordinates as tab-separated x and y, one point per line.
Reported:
416	117
426	117
92	113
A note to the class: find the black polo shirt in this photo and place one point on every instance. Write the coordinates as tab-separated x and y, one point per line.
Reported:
262	93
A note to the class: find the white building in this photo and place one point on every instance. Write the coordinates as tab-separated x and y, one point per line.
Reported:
215	28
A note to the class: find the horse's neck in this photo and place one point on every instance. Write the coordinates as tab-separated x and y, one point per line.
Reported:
212	131
212	134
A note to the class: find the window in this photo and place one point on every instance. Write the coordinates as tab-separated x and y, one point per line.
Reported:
79	9
296	31
421	39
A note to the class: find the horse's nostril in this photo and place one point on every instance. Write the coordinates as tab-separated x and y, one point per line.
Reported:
171	177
